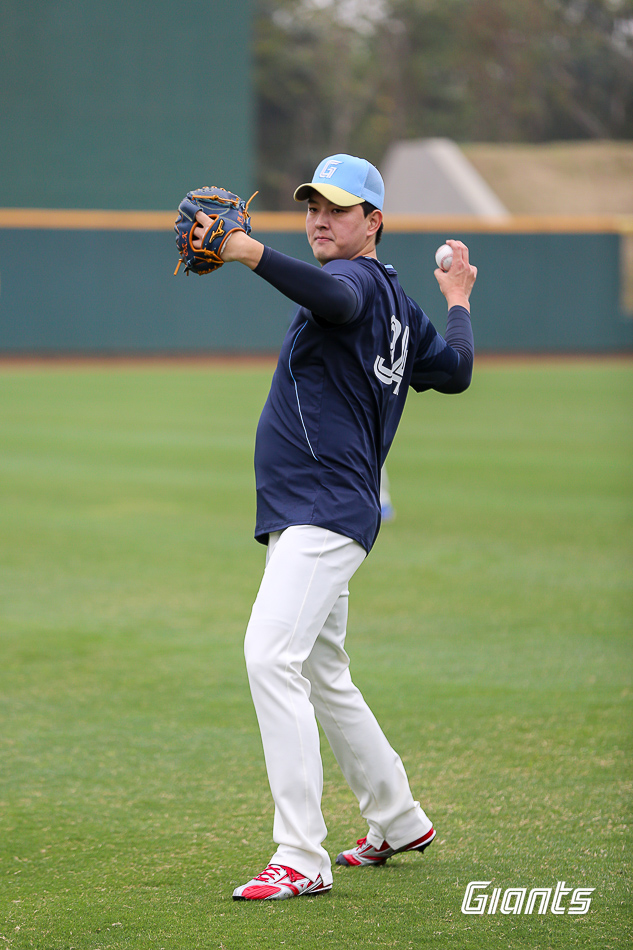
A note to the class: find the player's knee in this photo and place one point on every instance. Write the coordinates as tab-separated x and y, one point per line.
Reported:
262	658
269	660
258	666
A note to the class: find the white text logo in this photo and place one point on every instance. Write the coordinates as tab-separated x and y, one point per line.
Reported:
395	374
517	900
329	169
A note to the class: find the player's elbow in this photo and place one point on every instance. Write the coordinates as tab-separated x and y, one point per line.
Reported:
462	385
460	381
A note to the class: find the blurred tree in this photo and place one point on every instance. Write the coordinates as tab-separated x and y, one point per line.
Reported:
315	86
356	75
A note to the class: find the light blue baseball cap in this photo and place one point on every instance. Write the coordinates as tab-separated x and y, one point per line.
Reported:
345	181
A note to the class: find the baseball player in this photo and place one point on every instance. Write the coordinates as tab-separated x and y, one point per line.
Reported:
355	346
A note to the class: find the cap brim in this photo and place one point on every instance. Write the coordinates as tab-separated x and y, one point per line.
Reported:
336	195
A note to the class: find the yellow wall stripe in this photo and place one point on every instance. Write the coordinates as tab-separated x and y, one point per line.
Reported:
291	221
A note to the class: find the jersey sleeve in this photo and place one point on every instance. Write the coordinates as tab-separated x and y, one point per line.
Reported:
359	280
444	364
312	288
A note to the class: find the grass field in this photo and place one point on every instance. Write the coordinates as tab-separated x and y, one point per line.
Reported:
489	630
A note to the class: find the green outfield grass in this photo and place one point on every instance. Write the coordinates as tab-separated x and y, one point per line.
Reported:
489	631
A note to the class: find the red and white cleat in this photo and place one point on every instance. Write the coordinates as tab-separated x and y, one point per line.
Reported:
278	883
364	854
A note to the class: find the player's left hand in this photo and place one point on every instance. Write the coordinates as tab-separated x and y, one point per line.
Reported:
457	282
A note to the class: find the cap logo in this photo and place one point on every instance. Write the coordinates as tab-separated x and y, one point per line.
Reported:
329	169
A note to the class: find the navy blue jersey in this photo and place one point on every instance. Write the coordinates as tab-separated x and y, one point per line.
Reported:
335	402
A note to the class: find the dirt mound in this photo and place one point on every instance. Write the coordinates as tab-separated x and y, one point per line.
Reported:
558	177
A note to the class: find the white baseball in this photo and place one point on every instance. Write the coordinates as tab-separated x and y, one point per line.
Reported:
444	256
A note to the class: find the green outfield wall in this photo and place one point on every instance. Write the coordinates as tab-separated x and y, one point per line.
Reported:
112	290
121	104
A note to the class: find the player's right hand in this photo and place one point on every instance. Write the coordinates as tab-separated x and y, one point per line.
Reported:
457	282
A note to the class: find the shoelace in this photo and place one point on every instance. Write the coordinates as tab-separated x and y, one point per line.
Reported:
272	871
362	842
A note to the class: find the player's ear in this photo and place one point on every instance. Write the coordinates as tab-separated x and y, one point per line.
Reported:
374	220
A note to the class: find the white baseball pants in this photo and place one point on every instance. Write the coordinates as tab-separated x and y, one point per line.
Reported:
298	671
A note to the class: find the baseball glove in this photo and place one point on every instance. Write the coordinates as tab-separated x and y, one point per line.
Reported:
228	213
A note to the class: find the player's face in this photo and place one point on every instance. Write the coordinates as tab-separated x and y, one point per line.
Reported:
337	233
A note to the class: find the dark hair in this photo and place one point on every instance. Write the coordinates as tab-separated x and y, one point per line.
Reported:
368	207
